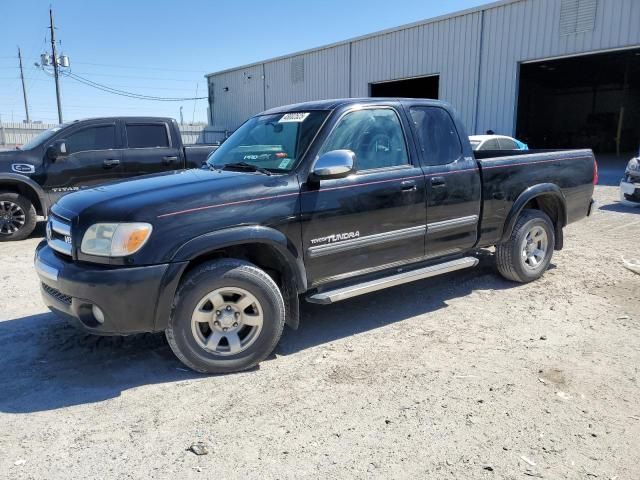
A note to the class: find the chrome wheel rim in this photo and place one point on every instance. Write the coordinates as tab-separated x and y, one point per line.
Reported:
534	247
12	217
227	321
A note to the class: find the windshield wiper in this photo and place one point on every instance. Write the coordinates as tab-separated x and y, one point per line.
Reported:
244	166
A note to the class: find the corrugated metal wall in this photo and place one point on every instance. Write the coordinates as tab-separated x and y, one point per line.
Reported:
476	54
448	48
325	75
236	96
530	30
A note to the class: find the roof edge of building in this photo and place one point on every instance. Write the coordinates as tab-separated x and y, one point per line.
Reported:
406	26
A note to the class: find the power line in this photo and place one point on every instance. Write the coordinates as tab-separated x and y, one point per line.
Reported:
124	93
126	87
135	76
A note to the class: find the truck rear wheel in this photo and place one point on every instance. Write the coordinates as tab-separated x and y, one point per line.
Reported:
527	253
227	316
17	217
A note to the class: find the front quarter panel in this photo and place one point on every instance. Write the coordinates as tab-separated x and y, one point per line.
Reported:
249	234
272	203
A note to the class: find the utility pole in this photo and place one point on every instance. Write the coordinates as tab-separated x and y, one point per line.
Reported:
24	90
54	58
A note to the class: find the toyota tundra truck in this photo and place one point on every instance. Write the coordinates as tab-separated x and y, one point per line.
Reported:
81	154
316	202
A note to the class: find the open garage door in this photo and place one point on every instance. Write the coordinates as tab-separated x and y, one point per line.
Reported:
588	101
417	87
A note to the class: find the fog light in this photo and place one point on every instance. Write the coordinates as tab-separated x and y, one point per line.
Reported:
97	313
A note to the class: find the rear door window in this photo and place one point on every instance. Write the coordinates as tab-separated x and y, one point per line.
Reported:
507	144
491	144
437	135
147	135
101	137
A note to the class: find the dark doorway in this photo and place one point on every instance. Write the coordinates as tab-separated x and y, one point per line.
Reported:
589	101
419	87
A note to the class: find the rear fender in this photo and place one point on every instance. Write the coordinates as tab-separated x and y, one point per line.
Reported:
542	190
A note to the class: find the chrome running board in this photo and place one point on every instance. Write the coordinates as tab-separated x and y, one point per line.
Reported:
332	296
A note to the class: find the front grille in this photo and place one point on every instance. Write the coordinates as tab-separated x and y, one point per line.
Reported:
57	294
59	235
634	197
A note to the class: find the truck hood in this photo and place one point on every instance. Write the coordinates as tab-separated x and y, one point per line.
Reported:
12	155
148	197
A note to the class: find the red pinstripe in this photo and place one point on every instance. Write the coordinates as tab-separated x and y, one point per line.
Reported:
189	210
259	199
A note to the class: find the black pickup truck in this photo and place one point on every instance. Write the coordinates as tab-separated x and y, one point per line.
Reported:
318	201
85	153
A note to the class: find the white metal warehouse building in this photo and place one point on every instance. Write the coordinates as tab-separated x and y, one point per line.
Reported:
557	73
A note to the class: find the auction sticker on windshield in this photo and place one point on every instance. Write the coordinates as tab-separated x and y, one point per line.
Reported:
294	117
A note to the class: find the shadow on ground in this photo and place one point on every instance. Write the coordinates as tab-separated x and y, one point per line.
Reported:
40	230
619	207
47	364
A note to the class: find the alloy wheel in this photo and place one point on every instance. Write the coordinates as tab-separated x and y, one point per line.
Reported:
534	247
227	321
12	217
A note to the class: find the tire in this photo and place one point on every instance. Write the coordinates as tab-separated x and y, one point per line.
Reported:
514	257
18	217
213	294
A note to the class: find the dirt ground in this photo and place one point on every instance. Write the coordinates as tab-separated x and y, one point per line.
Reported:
463	376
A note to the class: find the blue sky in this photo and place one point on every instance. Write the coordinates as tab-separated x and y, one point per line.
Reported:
164	48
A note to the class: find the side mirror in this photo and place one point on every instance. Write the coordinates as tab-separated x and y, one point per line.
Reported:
334	164
57	151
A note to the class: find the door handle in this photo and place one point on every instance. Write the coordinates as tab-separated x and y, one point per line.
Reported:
408	186
168	160
438	182
111	162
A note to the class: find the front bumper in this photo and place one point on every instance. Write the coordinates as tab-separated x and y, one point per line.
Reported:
127	296
630	190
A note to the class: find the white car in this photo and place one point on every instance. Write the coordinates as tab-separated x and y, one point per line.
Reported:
496	142
630	183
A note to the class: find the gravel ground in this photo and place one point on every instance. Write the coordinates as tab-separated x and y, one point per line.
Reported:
462	376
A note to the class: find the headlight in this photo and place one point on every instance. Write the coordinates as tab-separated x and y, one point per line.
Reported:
115	239
633	165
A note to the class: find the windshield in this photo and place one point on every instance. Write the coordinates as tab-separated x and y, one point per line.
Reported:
41	138
273	142
475	144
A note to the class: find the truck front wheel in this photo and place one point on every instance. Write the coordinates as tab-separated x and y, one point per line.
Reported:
17	217
227	316
527	253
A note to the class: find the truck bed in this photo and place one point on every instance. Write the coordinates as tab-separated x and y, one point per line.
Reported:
195	154
506	174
